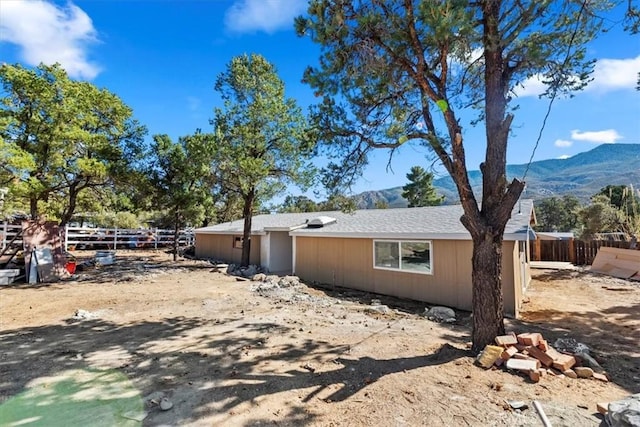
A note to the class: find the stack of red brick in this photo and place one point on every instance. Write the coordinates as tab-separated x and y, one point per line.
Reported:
530	354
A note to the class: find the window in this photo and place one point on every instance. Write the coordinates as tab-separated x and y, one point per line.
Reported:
409	256
237	242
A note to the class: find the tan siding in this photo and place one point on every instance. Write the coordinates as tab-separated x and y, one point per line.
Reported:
349	263
220	247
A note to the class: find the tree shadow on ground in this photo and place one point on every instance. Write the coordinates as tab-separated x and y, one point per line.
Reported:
220	369
610	335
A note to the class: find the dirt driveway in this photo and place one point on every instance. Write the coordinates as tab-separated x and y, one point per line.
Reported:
118	342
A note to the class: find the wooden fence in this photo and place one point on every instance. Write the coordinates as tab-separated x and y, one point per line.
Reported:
105	238
578	252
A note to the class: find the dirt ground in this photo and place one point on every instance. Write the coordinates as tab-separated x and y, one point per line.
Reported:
115	343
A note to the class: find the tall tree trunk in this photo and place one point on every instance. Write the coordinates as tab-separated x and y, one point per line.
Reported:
498	196
68	212
247	211
33	207
488	304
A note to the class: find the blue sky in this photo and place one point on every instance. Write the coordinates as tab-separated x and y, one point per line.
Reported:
162	58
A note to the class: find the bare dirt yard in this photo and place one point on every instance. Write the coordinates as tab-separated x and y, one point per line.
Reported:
147	341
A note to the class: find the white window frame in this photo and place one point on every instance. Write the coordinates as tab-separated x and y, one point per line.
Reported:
400	269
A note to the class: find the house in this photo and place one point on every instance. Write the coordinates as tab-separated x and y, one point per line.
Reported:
417	253
554	235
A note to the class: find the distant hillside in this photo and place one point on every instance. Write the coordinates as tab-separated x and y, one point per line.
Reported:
582	175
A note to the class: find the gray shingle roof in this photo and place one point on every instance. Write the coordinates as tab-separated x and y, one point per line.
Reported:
433	222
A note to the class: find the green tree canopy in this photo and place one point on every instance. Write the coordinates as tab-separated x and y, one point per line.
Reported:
625	200
181	178
298	204
398	72
623	197
599	217
263	140
61	137
419	191
557	214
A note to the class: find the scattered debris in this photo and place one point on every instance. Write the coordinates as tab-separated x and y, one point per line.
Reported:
625	412
531	355
489	356
440	314
543	416
517	404
246	272
287	289
308	367
105	257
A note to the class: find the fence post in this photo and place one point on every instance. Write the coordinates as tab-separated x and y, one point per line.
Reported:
155	239
66	237
537	250
572	251
115	237
4	235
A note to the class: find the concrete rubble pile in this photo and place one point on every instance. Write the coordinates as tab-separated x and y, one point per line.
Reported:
530	354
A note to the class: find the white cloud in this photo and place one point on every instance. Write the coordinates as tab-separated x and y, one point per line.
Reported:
246	16
614	74
532	86
564	157
609	136
608	75
562	143
47	33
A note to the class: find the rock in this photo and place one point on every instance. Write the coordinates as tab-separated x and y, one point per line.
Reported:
440	314
249	271
625	412
601	377
583	372
570	345
260	277
165	404
589	361
81	314
288	281
517	404
381	309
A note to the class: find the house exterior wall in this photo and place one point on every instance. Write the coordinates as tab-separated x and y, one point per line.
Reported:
280	252
221	247
348	262
511	277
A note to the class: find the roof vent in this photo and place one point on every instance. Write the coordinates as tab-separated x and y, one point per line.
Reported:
320	221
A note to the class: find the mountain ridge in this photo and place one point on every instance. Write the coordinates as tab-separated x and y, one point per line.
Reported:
581	175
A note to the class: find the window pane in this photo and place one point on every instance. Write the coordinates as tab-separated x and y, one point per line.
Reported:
416	256
386	255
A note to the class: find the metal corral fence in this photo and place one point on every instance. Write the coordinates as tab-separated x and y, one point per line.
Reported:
105	238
